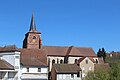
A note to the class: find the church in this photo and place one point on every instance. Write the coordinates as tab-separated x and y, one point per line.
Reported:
34	61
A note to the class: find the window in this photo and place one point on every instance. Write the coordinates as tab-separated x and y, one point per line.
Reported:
17	57
78	74
61	61
86	61
16	67
34	37
78	64
90	68
75	60
83	68
27	69
72	75
11	75
53	61
39	69
96	61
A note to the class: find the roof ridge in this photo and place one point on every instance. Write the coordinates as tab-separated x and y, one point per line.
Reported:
54	46
12	46
83	47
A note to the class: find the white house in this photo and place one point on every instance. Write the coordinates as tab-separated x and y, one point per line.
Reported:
33	64
23	64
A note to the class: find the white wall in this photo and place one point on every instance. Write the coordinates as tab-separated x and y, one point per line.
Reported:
34	70
9	58
71	60
32	73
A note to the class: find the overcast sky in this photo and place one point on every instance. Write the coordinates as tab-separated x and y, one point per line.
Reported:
84	23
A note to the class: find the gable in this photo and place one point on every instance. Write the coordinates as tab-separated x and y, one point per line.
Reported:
83	60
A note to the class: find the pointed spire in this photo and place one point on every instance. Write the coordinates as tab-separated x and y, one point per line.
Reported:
32	25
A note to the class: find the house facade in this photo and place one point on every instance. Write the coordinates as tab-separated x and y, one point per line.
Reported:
9	64
65	72
86	64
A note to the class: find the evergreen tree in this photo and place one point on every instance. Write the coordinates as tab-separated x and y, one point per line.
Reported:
101	53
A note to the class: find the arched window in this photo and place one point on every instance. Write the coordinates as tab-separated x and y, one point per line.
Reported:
27	69
96	61
75	60
53	61
61	61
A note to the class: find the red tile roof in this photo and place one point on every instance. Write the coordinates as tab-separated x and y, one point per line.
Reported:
70	51
91	58
82	51
8	48
38	57
56	50
33	57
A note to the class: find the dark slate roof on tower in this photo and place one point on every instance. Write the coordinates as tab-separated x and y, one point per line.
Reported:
32	25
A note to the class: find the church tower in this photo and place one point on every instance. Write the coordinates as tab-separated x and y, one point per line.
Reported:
32	38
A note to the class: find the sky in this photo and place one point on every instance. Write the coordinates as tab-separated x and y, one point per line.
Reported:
82	23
